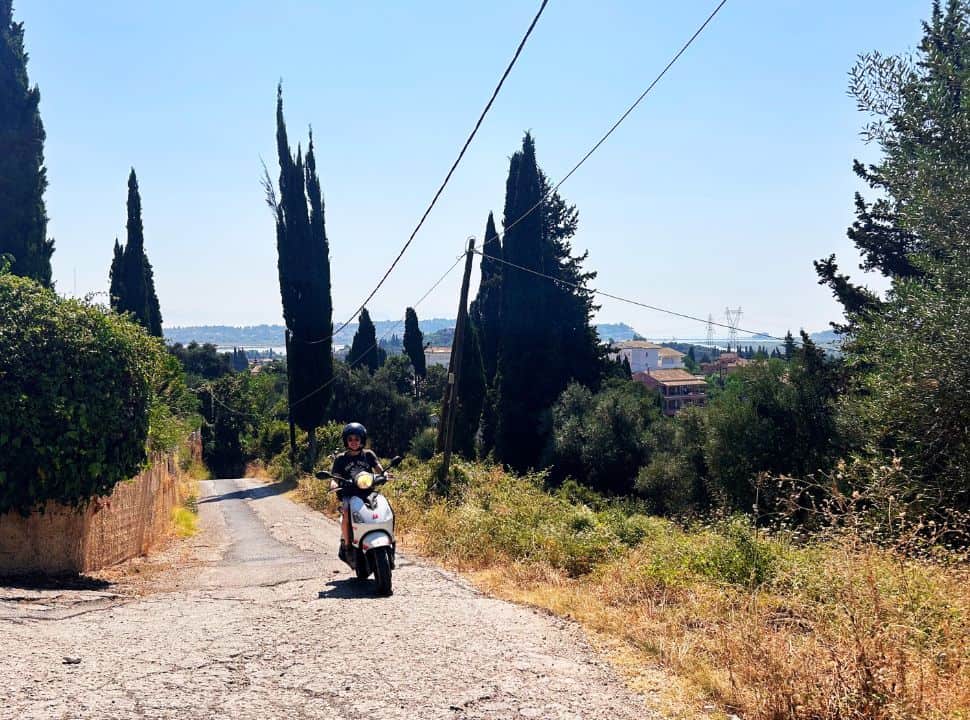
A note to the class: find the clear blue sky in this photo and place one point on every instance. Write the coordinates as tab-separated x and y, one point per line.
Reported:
721	189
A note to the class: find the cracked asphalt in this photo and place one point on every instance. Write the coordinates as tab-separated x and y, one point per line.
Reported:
255	617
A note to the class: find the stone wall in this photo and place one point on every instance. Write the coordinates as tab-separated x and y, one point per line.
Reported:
106	531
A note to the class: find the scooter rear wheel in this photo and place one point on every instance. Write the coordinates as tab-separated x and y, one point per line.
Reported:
382	570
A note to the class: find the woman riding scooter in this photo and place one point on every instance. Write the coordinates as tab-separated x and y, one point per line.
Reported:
355	459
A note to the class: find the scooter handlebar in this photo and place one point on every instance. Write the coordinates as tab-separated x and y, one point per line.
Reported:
342	481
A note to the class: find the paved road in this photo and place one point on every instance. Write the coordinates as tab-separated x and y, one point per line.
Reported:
256	618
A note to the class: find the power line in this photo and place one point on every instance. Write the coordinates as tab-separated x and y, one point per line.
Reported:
612	296
615	125
208	388
387	332
454	166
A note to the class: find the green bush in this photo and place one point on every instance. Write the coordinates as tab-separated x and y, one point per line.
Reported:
667	483
600	438
773	417
329	442
273	438
735	554
79	388
424	443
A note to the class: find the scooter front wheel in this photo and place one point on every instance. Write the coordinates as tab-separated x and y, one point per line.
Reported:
382	570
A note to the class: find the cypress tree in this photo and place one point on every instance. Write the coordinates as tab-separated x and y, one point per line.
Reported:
486	308
484	314
23	177
136	281
114	275
471	394
239	360
154	309
320	300
790	349
363	349
414	343
521	392
563	343
581	357
303	263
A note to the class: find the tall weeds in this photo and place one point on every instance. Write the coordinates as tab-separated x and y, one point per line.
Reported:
768	625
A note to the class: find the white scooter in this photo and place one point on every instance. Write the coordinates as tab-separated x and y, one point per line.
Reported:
372	544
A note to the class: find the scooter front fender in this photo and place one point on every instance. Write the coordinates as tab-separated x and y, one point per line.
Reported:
375	539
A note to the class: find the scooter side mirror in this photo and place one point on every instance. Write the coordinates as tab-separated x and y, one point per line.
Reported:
395	461
323	475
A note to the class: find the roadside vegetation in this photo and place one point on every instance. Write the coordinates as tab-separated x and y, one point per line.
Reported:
765	623
87	397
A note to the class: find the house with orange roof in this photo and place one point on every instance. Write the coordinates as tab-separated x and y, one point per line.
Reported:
678	388
725	364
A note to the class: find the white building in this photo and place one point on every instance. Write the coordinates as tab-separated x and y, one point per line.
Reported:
437	356
644	355
670	358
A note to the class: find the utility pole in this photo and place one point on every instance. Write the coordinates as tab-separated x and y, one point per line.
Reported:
449	406
289	399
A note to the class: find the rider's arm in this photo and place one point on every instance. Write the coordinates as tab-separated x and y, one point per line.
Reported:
336	469
377	463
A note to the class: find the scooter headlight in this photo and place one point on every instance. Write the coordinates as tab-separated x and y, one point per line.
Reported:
365	481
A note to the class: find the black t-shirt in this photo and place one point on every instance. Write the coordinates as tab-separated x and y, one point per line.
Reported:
347	466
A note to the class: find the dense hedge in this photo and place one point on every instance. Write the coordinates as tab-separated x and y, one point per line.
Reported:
77	385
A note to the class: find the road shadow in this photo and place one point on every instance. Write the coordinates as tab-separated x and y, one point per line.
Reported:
348	589
64	581
256	493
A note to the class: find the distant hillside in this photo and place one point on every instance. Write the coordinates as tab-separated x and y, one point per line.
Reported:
272	335
826	336
227	336
618	332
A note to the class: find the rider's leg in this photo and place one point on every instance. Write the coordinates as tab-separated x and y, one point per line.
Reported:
345	523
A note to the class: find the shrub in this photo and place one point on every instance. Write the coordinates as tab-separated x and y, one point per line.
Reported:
667	483
424	443
329	443
736	555
773	417
599	438
491	514
273	438
79	387
434	383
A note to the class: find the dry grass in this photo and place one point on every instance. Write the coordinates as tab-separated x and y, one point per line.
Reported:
826	630
184	522
197	470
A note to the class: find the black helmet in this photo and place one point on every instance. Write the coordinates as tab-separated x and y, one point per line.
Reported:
354	429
